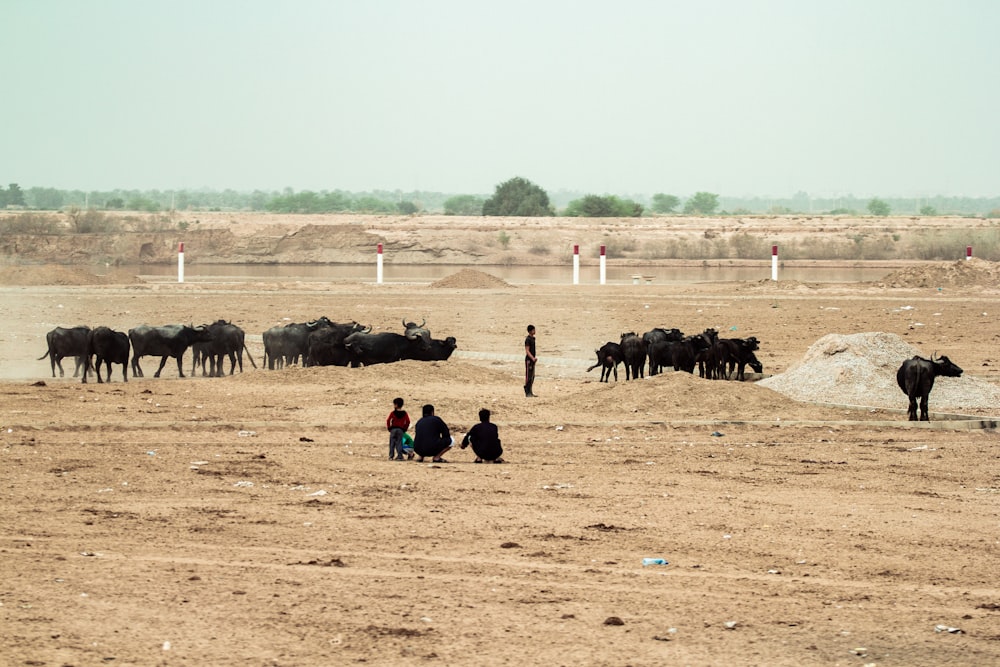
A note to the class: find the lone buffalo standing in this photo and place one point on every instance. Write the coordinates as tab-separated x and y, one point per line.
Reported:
916	378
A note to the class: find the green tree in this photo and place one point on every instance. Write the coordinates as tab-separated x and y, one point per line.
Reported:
48	199
464	205
878	207
665	203
702	203
518	196
336	201
407	207
142	204
595	206
928	210
13	196
370	204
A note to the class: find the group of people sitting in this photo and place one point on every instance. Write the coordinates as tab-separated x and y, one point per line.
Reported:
432	438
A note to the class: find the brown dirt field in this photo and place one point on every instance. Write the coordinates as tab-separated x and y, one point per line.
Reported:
254	519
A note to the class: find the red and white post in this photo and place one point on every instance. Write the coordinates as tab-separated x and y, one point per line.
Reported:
774	262
180	262
968	252
604	265
378	265
576	264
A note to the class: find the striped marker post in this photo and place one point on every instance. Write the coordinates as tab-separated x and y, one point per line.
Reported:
968	252
774	262
604	265
378	265
180	262
576	264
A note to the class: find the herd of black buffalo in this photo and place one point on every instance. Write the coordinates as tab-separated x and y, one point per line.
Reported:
716	358
320	342
727	358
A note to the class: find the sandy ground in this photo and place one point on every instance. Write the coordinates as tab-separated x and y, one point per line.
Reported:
255	520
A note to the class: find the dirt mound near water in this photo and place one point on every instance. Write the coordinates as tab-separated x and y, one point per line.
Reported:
962	273
860	369
63	275
471	279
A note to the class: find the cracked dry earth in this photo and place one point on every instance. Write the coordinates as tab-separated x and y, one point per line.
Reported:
254	519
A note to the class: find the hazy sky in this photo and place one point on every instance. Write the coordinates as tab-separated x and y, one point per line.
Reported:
736	97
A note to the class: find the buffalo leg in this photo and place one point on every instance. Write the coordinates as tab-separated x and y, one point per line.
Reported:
923	409
163	362
911	412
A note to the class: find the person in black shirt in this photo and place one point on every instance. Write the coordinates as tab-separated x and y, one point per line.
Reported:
431	436
485	440
529	361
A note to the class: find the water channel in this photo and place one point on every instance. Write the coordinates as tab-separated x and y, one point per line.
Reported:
559	274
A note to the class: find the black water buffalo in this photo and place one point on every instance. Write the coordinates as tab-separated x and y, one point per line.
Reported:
170	340
367	349
108	347
325	345
685	354
608	357
227	339
660	354
701	357
419	333
916	378
729	354
440	350
290	343
63	343
634	354
659	335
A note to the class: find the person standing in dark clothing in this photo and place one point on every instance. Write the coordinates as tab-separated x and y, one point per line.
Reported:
529	361
485	440
431	436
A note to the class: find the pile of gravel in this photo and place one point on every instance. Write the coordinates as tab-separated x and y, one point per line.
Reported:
860	369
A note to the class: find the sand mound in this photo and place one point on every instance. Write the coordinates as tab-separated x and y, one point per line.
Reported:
471	279
50	274
963	273
860	369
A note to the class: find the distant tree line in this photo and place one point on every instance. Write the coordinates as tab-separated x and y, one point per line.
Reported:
515	197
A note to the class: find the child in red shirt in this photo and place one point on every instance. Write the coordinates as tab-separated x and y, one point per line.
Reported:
397	422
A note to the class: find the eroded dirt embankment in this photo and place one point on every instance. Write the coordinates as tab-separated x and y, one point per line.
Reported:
255	238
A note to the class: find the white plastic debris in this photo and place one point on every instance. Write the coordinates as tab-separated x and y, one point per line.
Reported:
321	492
949	629
247	434
243	483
